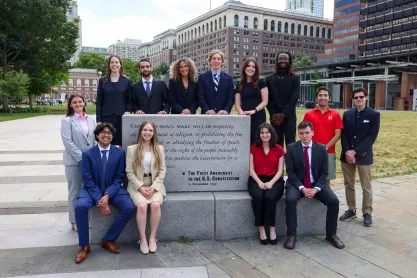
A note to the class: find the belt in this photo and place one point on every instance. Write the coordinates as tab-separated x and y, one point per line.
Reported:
147	175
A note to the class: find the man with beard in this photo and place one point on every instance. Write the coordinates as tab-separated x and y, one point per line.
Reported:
150	96
284	90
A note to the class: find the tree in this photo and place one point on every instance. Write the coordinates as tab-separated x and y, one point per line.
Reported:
14	86
162	69
304	61
130	68
92	61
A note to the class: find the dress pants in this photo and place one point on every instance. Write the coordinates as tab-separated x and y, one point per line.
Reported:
84	204
286	130
264	202
74	178
326	196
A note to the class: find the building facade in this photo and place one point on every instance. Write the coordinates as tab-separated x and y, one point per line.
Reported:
129	48
241	31
345	33
308	7
98	50
161	49
72	14
83	81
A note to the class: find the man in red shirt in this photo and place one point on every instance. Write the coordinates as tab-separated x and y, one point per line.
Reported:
327	127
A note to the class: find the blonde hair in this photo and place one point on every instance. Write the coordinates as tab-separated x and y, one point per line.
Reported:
175	70
138	156
217	51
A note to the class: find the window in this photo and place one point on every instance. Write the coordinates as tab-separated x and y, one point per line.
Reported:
311	31
305	30
286	27
323	33
224	21
211	26
317	32
203	29
272	25
292	28
299	29
255	23
266	24
199	31
246	22
215	25
236	23
329	33
279	27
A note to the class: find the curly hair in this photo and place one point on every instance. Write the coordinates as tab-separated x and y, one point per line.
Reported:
290	65
192	70
243	77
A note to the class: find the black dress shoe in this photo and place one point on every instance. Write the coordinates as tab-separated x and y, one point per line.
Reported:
335	241
290	242
263	241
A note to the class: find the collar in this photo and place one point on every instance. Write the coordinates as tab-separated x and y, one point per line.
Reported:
357	111
101	149
150	80
213	73
328	109
81	117
309	145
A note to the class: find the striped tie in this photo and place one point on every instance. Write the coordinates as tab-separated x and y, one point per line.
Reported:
216	82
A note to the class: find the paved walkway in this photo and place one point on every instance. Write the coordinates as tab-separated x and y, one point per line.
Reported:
37	240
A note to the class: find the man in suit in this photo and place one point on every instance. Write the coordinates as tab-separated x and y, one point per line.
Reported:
103	171
215	87
284	91
150	96
306	163
360	129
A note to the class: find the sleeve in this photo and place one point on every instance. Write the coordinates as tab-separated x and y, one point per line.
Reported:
119	177
159	180
289	108
167	105
271	99
202	95
194	106
292	175
66	135
176	107
324	169
230	96
281	151
262	84
129	101
88	180
130	170
369	140
253	149
306	117
345	136
99	100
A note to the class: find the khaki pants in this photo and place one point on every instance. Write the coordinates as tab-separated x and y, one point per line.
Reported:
349	172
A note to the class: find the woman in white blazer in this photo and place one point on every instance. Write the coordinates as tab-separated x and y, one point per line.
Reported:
145	169
77	133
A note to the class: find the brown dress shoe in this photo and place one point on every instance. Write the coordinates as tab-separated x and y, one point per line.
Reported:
335	241
290	242
82	254
109	245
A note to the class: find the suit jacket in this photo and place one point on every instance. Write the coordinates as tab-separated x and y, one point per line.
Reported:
75	142
210	99
362	137
157	100
115	101
92	169
181	99
283	94
295	164
135	175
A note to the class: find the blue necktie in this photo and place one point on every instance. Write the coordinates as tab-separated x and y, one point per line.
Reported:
148	88
216	82
104	164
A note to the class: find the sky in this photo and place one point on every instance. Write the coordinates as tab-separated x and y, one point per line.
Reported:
106	21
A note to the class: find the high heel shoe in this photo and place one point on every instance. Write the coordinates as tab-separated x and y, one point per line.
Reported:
74	227
273	241
263	241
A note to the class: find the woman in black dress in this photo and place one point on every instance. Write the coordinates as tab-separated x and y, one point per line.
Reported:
183	94
114	97
252	95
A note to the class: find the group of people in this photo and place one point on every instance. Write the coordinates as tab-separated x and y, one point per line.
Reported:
96	169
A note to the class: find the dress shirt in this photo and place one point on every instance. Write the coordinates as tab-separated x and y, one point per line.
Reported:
82	119
147	160
150	83
218	75
309	162
101	149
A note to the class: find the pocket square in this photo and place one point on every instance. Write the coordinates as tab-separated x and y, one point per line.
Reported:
365	121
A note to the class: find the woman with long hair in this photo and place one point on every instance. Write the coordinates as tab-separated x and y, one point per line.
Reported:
266	183
252	95
183	93
77	133
145	169
114	97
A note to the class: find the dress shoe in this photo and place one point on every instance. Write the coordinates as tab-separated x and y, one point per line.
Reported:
263	241
109	245
273	241
152	246
82	254
335	241
290	242
144	248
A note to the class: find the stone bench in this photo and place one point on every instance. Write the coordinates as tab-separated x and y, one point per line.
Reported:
213	216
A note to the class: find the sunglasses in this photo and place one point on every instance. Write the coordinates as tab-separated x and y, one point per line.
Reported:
359	97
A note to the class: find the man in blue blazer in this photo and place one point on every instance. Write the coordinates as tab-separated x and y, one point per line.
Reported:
215	88
103	172
360	129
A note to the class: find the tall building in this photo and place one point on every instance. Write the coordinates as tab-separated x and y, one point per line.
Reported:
72	14
98	50
345	33
241	31
129	48
161	49
308	7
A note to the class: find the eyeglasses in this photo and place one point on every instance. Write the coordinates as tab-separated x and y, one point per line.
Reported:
359	97
108	133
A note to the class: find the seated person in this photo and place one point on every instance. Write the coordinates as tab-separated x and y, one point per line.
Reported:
306	164
103	172
266	183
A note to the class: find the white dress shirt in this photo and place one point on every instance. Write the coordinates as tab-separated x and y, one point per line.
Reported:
147	160
309	162
101	149
150	83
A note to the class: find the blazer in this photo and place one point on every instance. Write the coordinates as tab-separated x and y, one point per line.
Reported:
283	94
115	101
180	98
295	164
91	166
75	142
135	175
210	99
157	100
362	137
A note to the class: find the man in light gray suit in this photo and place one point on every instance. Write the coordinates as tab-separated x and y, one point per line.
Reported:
77	133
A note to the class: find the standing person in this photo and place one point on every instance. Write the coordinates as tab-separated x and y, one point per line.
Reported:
103	168
284	91
183	94
266	183
252	95
145	168
306	164
361	127
150	96
327	127
215	87
114	97
77	133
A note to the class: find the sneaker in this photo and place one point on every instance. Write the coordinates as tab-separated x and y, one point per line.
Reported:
348	215
367	220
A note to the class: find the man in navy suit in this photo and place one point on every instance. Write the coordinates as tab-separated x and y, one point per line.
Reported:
149	95
360	129
103	172
215	87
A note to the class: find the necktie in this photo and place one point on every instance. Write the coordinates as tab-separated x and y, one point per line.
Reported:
307	181
104	164
216	82
148	88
